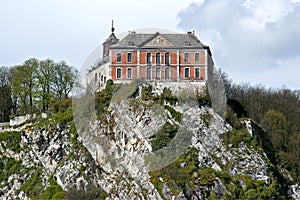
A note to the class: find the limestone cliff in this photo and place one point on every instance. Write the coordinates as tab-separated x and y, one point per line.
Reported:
140	148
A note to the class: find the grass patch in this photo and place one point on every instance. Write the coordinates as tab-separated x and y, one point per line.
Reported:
235	137
12	139
9	166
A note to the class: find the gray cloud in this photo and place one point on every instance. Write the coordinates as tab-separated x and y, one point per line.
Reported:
252	41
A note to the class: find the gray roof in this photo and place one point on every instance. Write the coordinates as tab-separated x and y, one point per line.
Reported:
138	40
112	39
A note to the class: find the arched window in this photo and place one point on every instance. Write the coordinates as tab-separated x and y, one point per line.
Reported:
148	75
148	58
197	72
129	57
197	57
186	57
186	72
129	73
157	73
167	73
157	58
101	77
119	74
104	79
119	57
167	59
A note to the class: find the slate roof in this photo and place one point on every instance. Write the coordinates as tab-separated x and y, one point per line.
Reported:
138	40
112	39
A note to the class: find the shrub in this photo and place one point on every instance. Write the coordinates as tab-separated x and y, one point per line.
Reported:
13	140
164	136
146	93
177	116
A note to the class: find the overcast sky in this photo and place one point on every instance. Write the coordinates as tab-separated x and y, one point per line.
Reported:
256	41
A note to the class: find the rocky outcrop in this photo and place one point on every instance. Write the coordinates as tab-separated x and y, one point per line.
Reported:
115	153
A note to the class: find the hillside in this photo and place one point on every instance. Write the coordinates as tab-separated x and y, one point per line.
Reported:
141	142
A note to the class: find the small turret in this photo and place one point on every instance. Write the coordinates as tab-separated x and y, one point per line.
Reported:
111	40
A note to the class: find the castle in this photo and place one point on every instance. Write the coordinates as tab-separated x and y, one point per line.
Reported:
159	57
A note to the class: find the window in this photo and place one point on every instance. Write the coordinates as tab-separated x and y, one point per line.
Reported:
104	79
119	73
129	57
186	57
130	43
119	57
197	72
186	72
129	73
148	75
148	58
167	73
158	58
158	73
197	57
101	77
96	77
167	59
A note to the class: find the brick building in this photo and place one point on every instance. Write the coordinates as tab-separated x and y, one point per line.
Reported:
161	57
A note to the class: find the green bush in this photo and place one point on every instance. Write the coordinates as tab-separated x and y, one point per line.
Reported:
177	116
146	93
164	136
33	186
203	98
61	106
8	167
13	140
64	117
235	137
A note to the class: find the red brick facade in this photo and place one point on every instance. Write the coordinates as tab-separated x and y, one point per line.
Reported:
166	57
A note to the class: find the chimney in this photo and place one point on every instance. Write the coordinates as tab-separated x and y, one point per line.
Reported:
189	32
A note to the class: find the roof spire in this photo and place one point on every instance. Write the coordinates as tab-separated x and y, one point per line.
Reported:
112	26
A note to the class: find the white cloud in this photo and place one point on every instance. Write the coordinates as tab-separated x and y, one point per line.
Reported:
250	39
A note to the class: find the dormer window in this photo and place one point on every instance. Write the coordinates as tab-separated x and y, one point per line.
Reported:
187	43
130	43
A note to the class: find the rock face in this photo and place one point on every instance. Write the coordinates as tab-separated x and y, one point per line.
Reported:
111	154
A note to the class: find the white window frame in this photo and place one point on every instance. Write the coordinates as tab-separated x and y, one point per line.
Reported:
167	73
150	58
197	53
169	63
129	53
187	68
119	53
158	69
186	57
119	68
159	58
127	72
148	69
197	68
